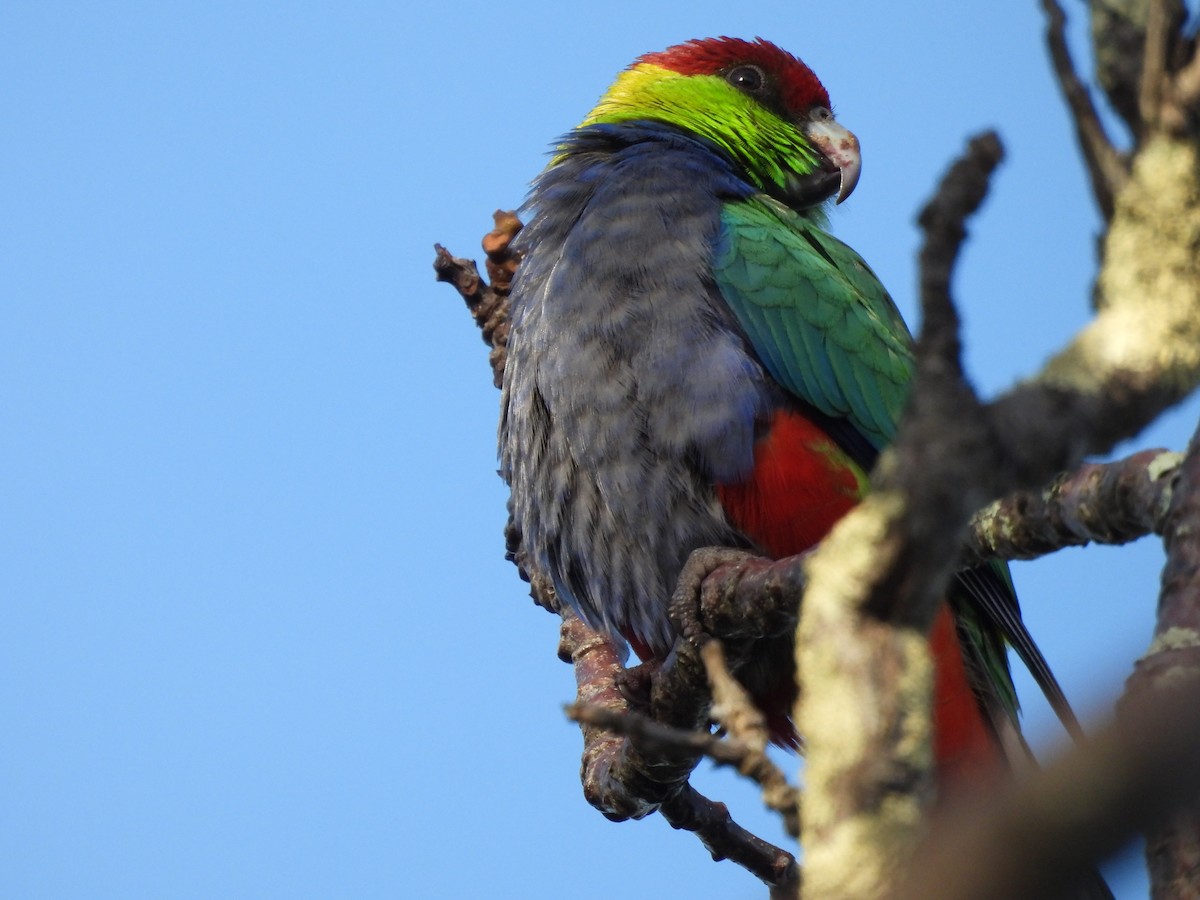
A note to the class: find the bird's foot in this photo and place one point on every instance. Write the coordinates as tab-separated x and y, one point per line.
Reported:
636	683
697	590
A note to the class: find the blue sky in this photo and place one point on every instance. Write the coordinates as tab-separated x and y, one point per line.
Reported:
260	639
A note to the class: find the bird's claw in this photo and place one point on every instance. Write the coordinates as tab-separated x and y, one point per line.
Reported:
687	603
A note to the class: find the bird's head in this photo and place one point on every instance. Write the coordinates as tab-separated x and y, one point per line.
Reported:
758	103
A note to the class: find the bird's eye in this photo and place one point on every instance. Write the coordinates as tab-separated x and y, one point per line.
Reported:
747	78
820	114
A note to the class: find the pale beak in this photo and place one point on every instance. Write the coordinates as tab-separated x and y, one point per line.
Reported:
840	147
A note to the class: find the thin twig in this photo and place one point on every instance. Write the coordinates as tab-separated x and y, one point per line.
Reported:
944	428
487	303
1153	83
725	839
746	726
654	736
1107	168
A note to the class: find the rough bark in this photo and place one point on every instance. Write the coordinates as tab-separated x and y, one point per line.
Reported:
1103	504
1172	661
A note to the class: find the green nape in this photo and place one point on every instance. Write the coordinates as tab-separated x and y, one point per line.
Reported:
767	146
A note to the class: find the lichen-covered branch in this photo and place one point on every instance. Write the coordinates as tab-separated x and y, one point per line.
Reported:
1098	503
1172	661
875	582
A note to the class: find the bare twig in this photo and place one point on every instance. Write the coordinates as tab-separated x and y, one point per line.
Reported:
725	839
945	430
1106	166
1153	83
488	303
732	707
746	726
960	193
653	736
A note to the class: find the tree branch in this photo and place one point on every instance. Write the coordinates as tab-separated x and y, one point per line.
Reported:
876	580
874	585
487	303
1106	166
744	749
1173	659
1110	503
1034	839
735	712
1153	83
725	839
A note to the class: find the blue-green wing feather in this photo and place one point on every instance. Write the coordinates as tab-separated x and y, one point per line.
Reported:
826	329
822	322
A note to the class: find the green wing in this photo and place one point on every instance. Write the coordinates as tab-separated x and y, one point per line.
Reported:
826	329
815	313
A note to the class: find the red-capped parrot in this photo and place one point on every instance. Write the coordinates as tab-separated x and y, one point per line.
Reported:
694	360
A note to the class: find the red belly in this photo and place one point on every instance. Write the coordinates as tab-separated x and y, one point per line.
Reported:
801	485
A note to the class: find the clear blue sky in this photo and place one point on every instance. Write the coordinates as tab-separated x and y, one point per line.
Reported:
259	638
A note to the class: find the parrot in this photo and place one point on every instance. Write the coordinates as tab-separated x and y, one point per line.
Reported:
694	360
